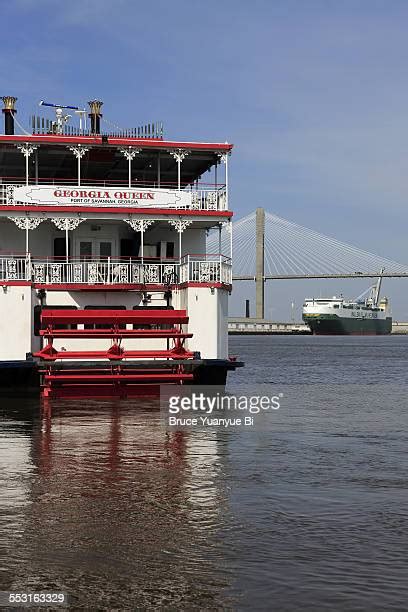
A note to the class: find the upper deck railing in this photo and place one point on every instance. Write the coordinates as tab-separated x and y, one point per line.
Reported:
44	126
201	269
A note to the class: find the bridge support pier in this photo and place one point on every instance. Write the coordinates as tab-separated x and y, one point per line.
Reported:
260	263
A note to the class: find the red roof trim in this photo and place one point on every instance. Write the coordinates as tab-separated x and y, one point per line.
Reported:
144	143
120	210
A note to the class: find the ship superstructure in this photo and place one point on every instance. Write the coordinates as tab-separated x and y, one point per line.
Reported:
337	315
105	276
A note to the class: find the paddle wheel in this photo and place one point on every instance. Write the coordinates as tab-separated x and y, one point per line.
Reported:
113	369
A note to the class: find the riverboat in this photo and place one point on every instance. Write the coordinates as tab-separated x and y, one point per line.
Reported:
107	287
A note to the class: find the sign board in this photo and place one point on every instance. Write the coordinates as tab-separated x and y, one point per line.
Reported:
98	196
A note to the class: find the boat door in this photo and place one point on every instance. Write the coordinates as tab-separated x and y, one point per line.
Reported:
90	248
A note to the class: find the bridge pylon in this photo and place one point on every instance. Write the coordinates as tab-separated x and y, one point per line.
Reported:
260	263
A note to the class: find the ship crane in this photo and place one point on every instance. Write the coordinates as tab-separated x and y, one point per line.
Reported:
377	289
374	291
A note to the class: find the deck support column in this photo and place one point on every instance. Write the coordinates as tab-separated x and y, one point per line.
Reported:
130	153
27	223
260	264
180	225
27	150
228	226
67	224
179	155
223	157
79	151
140	225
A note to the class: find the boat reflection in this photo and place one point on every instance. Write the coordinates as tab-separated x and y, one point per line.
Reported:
118	500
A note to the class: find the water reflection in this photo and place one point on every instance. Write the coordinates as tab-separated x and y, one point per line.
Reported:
307	512
15	473
118	499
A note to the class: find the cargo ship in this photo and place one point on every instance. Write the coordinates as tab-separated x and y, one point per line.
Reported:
107	285
339	316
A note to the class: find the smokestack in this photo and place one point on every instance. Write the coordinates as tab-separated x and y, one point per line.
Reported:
95	116
247	315
9	110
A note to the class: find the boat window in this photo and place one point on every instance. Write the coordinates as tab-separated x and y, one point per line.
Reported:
169	250
85	248
105	249
60	247
336	306
129	247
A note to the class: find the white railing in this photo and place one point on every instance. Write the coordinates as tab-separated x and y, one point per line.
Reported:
14	268
192	268
206	269
208	198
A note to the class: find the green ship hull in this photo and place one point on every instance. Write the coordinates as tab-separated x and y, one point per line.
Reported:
333	324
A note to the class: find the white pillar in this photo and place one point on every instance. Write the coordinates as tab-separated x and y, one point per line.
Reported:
79	151
180	225
27	223
226	183
67	224
140	225
224	159
27	149
179	155
36	167
130	153
66	243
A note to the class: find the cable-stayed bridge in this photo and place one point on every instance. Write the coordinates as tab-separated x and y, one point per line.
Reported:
268	247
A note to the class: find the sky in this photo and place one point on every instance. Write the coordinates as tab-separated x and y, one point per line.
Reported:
313	95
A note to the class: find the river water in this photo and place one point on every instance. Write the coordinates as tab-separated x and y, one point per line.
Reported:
307	512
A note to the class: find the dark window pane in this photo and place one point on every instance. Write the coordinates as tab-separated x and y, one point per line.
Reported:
85	249
105	249
170	249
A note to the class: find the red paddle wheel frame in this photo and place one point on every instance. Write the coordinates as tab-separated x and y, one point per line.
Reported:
113	370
